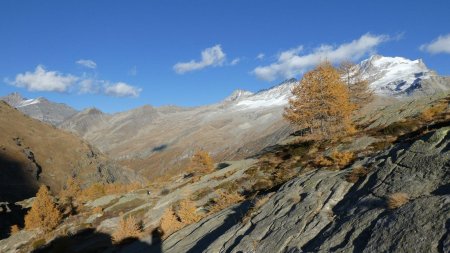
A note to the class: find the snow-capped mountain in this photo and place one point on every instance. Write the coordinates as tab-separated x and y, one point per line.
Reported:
395	76
40	108
388	76
275	96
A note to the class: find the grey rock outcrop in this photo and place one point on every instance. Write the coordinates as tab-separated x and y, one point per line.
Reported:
322	212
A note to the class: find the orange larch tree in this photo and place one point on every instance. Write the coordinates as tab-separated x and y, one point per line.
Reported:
321	103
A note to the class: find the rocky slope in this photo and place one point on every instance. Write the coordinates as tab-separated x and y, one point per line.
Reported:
321	212
318	210
40	108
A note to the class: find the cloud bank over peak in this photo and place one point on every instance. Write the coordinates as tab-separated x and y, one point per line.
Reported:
292	62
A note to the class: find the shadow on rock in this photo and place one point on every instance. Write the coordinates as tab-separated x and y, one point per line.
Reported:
91	241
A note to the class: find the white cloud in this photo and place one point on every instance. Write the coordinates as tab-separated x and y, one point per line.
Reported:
121	89
87	63
213	56
260	56
439	45
43	80
235	61
291	63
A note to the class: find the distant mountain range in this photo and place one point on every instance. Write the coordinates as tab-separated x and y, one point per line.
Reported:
40	108
152	140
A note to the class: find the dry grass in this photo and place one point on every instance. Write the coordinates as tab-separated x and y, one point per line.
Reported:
98	190
224	200
356	174
262	184
337	160
431	112
127	228
397	200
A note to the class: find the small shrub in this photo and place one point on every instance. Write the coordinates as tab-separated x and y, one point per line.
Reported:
178	216
97	210
170	223
71	190
342	159
14	230
400	128
336	160
164	192
127	228
397	200
229	186
201	193
201	162
94	191
356	174
68	196
187	212
38	243
44	213
262	184
224	200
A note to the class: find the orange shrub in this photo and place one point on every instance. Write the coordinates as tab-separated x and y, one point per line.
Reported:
342	159
187	211
170	223
336	160
127	228
14	230
201	162
44	213
356	174
185	214
397	200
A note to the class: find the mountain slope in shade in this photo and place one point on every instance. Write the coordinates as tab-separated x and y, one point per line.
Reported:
33	153
40	108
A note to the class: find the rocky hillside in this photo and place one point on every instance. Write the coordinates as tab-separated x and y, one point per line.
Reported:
40	108
386	190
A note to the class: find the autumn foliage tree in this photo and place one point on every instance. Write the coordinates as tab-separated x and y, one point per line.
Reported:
201	162
359	90
44	213
321	103
69	195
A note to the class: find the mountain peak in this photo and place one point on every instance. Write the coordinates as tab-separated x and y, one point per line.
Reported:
238	95
393	75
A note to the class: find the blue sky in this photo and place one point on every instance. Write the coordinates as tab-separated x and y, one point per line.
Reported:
118	55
